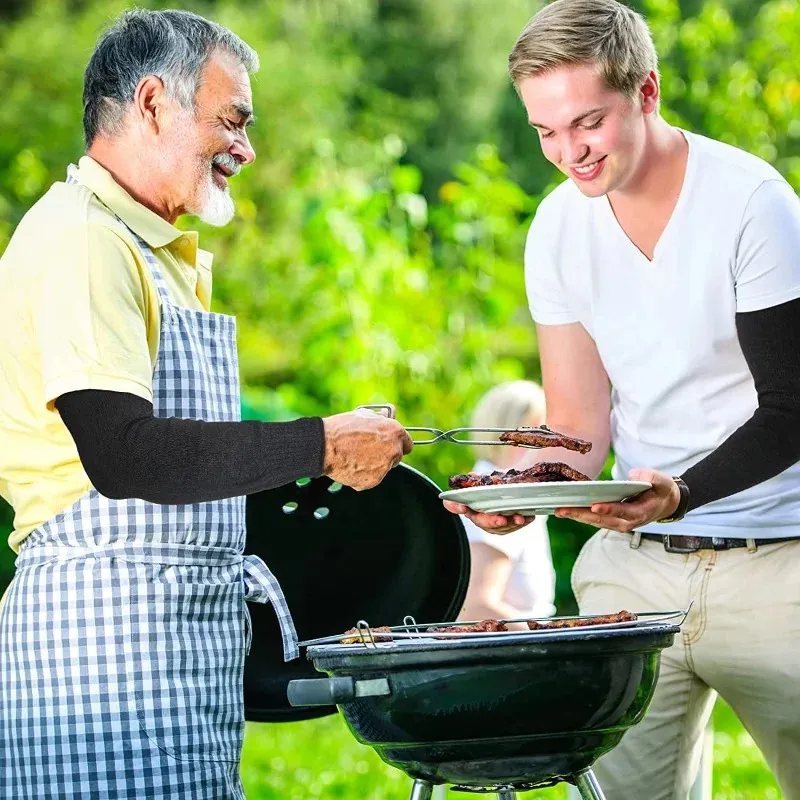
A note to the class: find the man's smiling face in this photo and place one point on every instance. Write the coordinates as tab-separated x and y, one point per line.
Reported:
593	134
208	146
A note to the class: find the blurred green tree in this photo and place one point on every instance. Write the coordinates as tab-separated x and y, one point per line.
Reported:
376	255
444	66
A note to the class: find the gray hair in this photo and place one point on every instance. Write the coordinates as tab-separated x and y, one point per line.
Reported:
173	45
602	32
507	405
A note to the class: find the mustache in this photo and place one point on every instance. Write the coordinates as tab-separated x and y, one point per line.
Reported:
227	162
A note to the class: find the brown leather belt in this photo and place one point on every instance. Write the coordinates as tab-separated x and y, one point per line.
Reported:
691	544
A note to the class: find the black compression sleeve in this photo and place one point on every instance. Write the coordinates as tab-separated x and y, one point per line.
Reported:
127	452
769	442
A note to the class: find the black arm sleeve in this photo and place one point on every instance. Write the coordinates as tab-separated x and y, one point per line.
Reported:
127	452
769	442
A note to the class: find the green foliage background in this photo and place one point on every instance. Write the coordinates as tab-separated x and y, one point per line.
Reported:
377	251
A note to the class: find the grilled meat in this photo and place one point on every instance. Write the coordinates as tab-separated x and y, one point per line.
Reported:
605	619
548	470
544	437
486	626
384	633
354	636
545	471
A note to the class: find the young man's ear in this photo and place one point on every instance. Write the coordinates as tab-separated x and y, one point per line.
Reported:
650	93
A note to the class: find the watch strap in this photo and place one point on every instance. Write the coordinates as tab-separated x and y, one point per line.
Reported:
683	504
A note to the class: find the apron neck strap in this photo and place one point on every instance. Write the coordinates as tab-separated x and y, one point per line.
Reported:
145	249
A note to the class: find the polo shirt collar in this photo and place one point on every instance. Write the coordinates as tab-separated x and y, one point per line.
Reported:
155	230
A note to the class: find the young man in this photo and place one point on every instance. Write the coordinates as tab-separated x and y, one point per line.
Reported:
664	279
122	635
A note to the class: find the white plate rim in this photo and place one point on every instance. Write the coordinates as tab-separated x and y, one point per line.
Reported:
536	495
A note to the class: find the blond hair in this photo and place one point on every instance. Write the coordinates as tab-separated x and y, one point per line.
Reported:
602	32
507	405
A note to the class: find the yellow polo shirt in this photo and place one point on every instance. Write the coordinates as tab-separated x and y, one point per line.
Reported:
79	310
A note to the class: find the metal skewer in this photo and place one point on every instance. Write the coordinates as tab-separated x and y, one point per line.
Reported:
438	435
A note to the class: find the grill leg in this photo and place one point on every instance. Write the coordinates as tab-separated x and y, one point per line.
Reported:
507	794
421	790
587	785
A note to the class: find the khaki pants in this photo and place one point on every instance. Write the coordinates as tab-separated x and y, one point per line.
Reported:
741	639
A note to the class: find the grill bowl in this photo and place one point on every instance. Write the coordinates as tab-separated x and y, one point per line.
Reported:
514	709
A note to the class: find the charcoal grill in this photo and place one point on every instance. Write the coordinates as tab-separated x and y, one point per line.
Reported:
490	713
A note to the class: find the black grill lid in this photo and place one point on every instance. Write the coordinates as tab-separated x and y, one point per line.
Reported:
341	556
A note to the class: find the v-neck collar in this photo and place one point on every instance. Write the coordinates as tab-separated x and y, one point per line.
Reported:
688	177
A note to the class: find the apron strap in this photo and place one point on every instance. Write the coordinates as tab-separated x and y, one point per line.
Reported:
144	248
261	586
165	553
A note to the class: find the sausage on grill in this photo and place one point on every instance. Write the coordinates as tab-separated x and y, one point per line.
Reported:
486	626
605	619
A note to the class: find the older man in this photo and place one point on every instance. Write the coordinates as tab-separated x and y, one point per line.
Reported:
122	636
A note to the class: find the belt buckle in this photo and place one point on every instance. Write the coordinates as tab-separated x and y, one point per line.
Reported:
670	548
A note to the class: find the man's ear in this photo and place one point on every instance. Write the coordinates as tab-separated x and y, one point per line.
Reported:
149	102
650	93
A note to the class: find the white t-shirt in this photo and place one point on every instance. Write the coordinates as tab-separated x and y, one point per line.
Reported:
532	582
665	329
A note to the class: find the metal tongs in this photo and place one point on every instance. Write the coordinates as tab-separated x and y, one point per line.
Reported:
388	410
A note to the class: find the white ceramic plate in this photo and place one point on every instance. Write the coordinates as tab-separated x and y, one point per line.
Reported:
530	499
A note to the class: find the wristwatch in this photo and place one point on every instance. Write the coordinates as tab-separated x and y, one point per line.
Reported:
680	512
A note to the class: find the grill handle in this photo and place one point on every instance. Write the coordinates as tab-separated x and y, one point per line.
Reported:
333	691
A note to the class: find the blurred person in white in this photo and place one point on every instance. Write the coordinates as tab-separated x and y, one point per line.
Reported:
511	576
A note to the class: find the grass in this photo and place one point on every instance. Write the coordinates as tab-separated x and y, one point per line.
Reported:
320	759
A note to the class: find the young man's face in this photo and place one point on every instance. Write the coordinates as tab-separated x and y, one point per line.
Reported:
592	133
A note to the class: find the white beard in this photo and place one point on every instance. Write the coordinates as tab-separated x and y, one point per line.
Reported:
218	208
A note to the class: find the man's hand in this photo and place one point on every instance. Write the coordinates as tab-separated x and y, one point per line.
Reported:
656	503
491	523
361	447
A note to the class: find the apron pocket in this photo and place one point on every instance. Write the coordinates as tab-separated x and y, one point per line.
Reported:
188	661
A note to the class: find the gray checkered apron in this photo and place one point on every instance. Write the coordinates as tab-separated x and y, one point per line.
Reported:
123	633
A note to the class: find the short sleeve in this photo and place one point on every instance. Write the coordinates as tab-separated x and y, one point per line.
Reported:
547	299
767	269
90	316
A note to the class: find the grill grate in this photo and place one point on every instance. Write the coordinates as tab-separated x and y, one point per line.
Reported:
412	630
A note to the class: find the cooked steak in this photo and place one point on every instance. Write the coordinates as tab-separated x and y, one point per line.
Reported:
621	616
354	635
544	437
545	471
